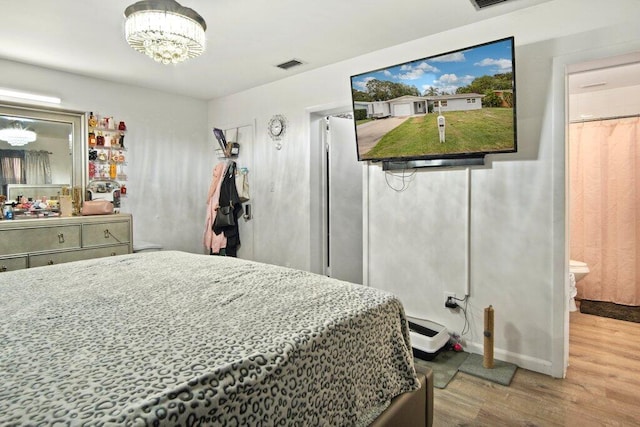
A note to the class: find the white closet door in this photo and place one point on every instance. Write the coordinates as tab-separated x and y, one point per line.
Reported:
344	202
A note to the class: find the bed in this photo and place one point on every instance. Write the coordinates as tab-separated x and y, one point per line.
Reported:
172	338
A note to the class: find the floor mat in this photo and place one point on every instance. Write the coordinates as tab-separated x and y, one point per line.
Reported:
501	373
444	365
611	310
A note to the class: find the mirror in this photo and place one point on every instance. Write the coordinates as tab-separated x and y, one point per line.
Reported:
55	159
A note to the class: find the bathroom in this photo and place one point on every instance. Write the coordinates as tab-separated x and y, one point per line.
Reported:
603	181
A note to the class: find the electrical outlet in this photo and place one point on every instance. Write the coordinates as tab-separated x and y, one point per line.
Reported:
450	300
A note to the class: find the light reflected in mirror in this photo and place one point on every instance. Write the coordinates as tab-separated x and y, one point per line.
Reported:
47	160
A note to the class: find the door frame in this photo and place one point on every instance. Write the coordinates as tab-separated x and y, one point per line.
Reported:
562	67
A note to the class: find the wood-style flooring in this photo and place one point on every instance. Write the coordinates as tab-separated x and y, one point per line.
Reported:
602	387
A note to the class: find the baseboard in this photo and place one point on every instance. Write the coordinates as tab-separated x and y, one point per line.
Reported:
520	360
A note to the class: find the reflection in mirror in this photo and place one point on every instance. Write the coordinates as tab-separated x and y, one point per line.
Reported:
40	149
46	160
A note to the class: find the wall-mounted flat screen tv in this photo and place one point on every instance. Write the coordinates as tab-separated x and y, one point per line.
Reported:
457	104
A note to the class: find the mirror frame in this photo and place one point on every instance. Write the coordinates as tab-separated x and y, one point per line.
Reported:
78	122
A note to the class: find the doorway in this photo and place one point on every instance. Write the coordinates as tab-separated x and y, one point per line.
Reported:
603	100
595	91
336	197
342	200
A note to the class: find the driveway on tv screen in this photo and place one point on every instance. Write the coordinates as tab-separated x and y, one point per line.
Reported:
371	132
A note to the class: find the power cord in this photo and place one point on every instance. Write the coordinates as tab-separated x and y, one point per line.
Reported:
466	327
405	180
451	303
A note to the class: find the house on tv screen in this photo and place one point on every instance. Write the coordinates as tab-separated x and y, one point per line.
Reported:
409	105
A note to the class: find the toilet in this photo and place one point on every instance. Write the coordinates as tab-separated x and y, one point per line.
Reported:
577	271
578	268
142	246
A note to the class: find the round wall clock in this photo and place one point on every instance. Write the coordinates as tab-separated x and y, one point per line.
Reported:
277	127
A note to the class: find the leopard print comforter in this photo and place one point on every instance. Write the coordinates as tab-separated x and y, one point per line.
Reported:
171	338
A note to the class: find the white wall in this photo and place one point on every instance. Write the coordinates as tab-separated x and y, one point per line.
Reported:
169	156
618	102
416	238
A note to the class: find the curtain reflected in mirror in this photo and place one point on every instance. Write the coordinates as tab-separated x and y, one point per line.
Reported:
37	167
47	160
11	167
25	167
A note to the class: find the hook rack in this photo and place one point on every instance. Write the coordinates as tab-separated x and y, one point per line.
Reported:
228	149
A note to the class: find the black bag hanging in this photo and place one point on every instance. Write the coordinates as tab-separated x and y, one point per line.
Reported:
224	217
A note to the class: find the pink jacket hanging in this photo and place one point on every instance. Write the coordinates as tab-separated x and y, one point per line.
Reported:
214	242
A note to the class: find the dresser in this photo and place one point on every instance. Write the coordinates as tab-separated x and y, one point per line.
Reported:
30	243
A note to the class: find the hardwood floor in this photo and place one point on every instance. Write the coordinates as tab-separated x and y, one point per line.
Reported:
602	387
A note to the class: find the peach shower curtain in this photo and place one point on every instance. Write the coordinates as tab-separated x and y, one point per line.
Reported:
604	206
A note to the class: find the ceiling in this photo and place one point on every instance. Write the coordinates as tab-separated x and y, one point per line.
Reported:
246	39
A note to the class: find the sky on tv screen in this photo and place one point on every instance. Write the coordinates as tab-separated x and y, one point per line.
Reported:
446	72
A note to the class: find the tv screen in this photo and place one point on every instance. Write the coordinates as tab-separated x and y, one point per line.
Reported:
453	105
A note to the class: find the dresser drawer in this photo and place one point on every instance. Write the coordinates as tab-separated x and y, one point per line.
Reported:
69	256
34	239
13	263
106	233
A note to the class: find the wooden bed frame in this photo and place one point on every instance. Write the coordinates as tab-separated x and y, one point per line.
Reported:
412	409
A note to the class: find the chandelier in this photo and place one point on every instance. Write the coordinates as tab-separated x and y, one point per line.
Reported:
17	136
164	30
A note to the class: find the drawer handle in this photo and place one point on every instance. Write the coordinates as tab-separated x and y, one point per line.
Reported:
60	238
50	262
107	234
3	268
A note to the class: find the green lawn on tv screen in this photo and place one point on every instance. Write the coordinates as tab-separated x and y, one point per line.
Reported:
483	130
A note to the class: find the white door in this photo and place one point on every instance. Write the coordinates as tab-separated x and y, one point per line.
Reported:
343	202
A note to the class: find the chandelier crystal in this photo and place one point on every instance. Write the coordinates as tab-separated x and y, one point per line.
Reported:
164	30
17	136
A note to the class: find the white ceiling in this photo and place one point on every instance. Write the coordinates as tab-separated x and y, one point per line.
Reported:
245	38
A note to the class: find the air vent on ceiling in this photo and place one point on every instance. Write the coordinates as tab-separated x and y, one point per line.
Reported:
481	4
289	64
